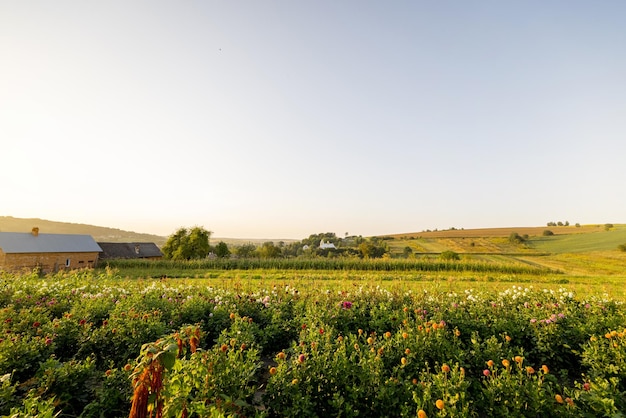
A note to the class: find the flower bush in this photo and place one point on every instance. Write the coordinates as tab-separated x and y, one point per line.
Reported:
91	345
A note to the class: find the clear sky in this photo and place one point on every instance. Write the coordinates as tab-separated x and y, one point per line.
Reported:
280	119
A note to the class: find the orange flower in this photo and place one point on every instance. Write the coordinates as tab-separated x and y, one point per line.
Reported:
273	371
421	414
545	369
558	398
457	333
507	338
407	351
281	355
224	348
370	340
405	335
193	343
519	359
569	401
490	363
530	370
445	368
506	363
387	334
439	404
232	315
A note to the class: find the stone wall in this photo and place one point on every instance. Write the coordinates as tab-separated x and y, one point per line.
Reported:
47	262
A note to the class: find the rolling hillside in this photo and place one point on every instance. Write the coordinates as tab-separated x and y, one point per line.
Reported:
99	233
570	239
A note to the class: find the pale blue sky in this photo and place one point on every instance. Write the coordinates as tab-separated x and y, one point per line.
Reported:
280	119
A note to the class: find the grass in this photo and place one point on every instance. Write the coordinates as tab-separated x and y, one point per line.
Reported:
598	241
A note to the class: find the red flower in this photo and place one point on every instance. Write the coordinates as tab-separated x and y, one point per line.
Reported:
36	324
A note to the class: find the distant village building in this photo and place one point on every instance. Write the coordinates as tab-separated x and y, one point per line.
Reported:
326	245
130	250
47	252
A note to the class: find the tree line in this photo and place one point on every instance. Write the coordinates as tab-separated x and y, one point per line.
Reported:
194	243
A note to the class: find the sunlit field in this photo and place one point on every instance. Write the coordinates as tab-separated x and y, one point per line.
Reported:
119	342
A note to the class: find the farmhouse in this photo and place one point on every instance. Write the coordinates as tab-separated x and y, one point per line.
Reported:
130	250
47	252
327	244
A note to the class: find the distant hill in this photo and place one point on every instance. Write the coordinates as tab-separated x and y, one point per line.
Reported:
99	233
564	239
105	234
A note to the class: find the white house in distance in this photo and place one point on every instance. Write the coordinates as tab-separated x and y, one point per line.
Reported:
327	245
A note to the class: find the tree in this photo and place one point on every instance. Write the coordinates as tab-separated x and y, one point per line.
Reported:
187	244
516	238
449	256
221	250
547	233
268	250
245	250
621	247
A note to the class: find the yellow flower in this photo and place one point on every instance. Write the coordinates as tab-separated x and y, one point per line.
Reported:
403	360
457	333
294	382
439	404
370	340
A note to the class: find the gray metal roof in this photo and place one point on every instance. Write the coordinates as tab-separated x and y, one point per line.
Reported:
129	250
19	242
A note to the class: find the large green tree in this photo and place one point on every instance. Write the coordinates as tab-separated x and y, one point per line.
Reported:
187	244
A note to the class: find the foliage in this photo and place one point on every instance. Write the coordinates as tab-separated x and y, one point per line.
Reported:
221	250
187	244
449	255
516	238
193	348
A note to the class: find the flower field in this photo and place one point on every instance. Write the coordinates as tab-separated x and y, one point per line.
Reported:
92	344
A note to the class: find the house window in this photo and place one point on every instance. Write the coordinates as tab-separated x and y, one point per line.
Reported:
67	262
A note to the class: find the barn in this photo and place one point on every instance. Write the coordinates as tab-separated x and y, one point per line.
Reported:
130	250
47	252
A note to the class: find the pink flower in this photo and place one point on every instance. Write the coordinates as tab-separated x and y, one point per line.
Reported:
346	305
486	372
